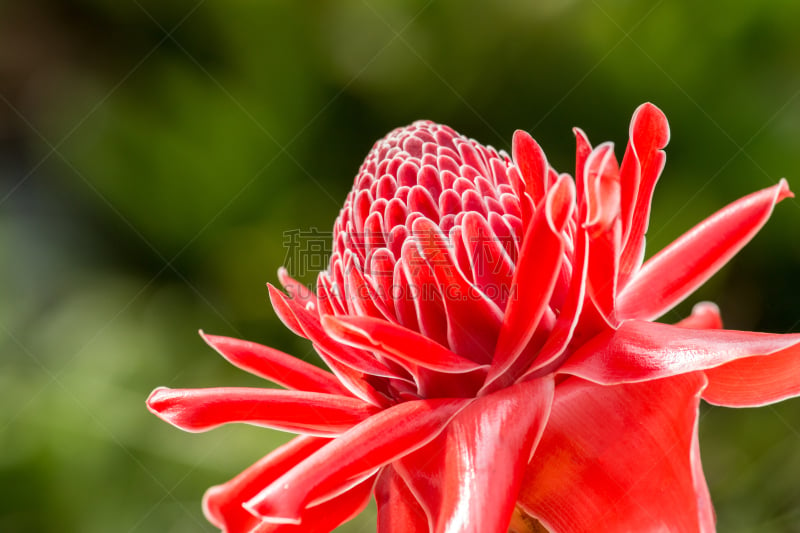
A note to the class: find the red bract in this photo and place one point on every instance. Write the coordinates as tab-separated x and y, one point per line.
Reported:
487	323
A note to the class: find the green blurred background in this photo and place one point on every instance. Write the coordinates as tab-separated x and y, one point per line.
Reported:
153	153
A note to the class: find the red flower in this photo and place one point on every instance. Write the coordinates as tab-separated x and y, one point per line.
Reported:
488	327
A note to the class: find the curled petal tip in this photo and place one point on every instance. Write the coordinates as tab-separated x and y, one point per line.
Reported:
705	315
155	392
560	203
784	191
650	117
211	508
582	139
602	188
520	136
295	289
649	107
523	144
167	405
705	307
212	341
208	339
532	163
157	401
273	291
285	279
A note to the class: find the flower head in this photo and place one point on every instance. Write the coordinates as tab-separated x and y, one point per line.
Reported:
487	323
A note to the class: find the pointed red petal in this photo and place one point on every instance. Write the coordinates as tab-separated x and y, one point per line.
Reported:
641	167
467	479
372	444
296	290
396	342
603	272
327	515
356	382
563	332
680	268
526	206
361	295
755	381
582	150
430	364
602	189
620	458
640	351
553	351
301	412
422	291
346	364
274	365
398	509
281	306
222	504
492	267
603	226
312	329
473	320
534	279
532	164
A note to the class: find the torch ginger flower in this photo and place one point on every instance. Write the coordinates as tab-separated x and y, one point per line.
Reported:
487	323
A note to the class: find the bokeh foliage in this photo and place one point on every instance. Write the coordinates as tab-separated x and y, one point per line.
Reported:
153	153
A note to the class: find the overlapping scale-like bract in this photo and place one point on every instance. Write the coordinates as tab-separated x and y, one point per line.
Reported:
487	324
433	224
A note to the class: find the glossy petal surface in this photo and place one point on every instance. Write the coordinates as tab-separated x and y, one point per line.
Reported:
755	381
223	504
398	509
676	271
302	412
640	351
641	167
535	277
274	365
397	342
620	458
487	444
486	323
327	515
383	438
